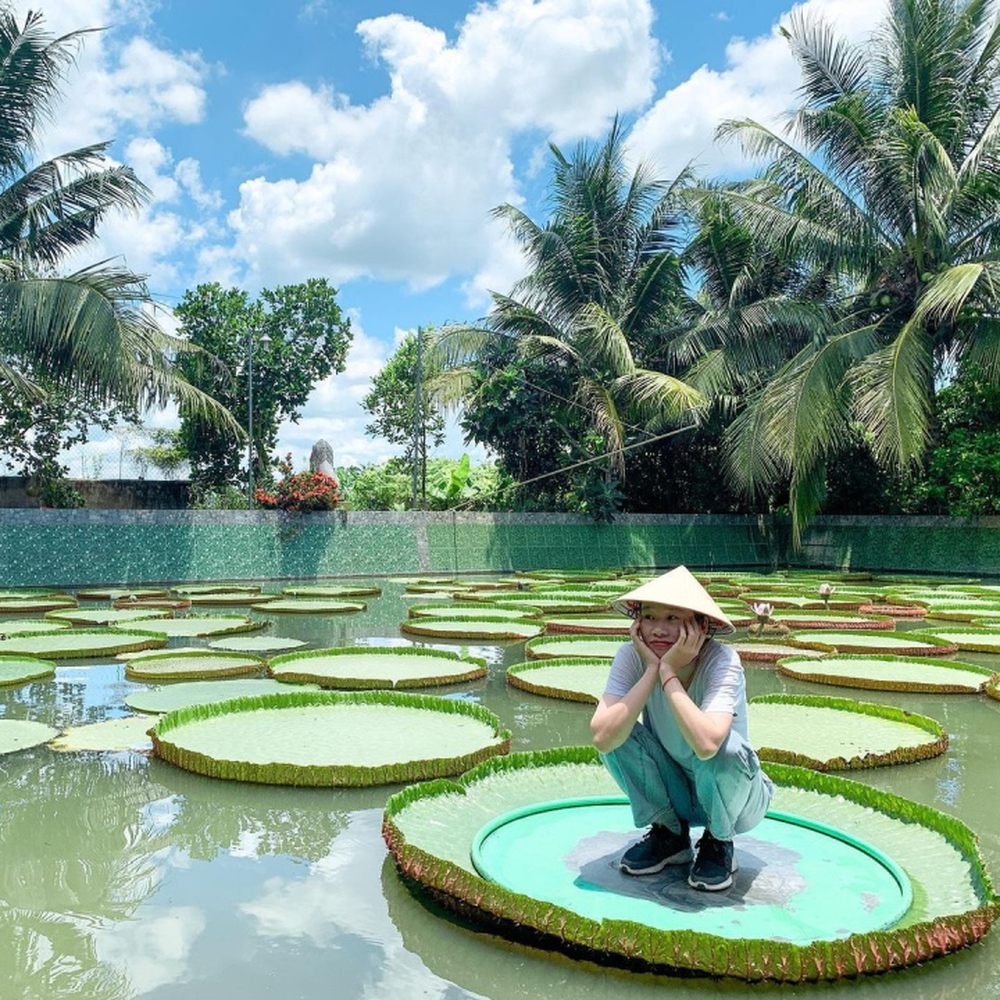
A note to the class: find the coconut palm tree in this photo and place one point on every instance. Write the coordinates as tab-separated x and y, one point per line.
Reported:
93	330
887	180
603	279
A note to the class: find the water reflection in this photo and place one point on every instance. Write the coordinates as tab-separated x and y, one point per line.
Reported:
123	877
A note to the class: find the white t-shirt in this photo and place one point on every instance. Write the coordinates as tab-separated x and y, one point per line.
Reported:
717	685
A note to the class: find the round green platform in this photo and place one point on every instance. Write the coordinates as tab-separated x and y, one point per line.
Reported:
798	881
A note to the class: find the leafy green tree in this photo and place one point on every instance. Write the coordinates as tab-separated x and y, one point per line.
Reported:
889	181
402	415
604	283
91	333
165	452
297	336
962	474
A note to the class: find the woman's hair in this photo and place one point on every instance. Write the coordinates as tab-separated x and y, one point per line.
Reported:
634	610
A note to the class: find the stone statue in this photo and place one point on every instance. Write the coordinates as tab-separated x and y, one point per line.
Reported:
321	458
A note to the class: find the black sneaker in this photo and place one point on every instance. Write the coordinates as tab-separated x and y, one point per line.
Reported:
659	848
713	868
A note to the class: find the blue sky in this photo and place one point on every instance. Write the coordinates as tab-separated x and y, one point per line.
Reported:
367	142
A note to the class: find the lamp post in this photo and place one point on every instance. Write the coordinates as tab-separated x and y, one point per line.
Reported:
252	344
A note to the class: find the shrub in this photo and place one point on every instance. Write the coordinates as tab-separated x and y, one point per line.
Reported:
300	491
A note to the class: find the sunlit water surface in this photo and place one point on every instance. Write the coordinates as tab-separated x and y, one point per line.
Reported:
122	876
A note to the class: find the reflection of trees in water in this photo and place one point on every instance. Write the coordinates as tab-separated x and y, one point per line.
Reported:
78	839
78	853
222	816
45	956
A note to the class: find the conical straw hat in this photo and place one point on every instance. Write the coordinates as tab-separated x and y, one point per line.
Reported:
679	589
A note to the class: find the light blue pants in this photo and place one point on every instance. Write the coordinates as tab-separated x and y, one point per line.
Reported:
728	793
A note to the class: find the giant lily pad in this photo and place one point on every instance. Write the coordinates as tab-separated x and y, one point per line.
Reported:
770	650
473	611
369	667
568	645
192	665
231	599
982	640
80	643
898	643
326	738
335	591
105	616
21	669
992	687
573	678
430	830
119	593
887	673
192	589
127	733
205	625
36	605
169	697
19	626
482	627
20	734
588	625
256	644
835	734
833	619
317	606
556	604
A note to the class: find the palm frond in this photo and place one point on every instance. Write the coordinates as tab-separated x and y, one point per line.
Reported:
892	396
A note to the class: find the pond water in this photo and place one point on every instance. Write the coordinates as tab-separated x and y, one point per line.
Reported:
124	877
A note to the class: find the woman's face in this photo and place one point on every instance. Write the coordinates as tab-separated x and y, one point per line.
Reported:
660	625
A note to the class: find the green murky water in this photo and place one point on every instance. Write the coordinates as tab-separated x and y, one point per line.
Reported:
123	877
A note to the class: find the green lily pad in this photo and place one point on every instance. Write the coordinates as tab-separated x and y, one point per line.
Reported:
256	644
80	643
231	599
191	665
887	673
588	625
496	612
834	734
168	698
301	606
556	605
983	640
328	738
861	641
992	687
833	619
371	667
19	626
128	733
572	678
104	616
145	654
336	592
118	593
482	627
768	651
205	625
583	645
36	605
21	734
21	669
430	830
190	589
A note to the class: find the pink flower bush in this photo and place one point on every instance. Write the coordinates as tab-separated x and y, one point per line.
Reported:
300	491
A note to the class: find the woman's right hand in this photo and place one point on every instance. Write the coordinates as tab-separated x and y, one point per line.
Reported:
649	659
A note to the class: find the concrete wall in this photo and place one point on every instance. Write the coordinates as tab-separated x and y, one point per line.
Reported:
106	494
81	547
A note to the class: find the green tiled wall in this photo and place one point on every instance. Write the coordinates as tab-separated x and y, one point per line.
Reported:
79	547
